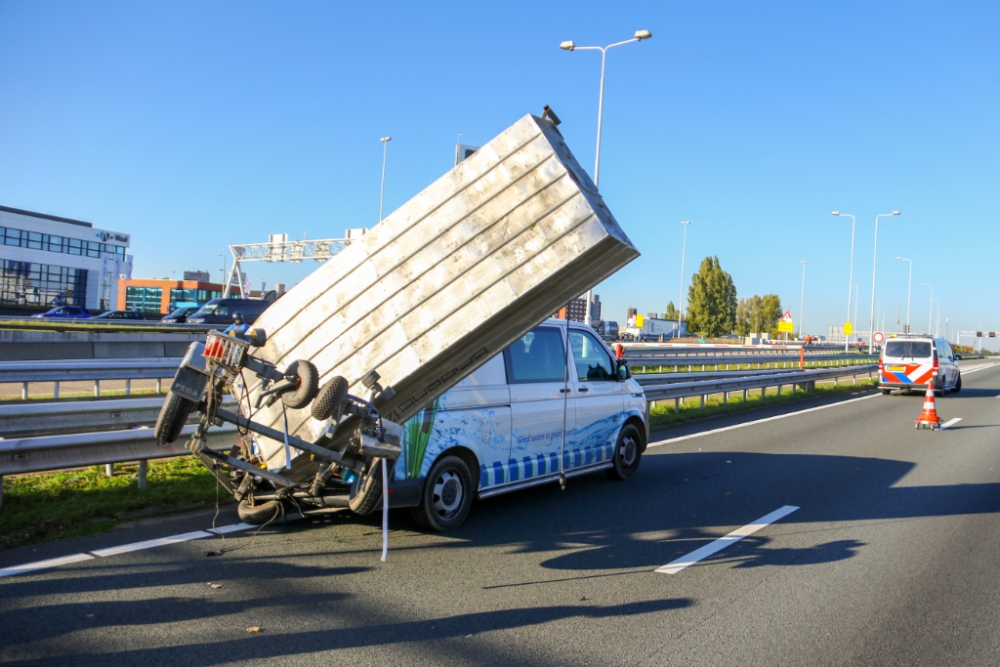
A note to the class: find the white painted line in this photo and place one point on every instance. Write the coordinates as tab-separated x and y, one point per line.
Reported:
149	544
43	564
670	441
976	369
950	422
723	542
222	530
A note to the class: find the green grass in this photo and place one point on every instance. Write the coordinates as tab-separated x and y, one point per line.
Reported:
48	506
664	415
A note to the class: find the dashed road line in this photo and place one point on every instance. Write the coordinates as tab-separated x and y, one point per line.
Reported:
950	423
723	542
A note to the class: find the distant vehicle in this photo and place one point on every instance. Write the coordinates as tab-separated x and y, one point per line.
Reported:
220	311
908	362
652	328
65	312
730	337
119	315
179	315
608	330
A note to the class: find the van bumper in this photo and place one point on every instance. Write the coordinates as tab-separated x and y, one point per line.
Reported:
406	492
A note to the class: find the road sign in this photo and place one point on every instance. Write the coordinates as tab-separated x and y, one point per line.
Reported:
848	328
784	326
878	337
787	317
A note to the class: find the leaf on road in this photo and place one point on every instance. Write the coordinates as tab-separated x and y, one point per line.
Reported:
253	629
211	585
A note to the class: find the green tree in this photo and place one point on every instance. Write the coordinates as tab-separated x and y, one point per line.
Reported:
671	312
711	300
770	313
758	314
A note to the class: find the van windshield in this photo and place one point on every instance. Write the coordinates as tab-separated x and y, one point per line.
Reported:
208	308
908	349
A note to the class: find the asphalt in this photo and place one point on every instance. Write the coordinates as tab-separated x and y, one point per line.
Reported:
889	560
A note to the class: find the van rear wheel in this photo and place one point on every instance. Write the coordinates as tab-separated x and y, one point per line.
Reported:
627	453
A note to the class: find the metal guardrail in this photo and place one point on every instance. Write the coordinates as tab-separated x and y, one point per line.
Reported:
770	360
81	370
704	389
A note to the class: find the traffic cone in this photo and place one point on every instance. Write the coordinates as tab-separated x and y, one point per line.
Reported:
929	416
619	351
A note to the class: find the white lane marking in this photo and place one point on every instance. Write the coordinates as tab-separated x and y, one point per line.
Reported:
756	421
723	542
149	544
42	564
976	369
950	422
222	530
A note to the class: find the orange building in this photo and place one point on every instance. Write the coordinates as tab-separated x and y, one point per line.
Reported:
164	296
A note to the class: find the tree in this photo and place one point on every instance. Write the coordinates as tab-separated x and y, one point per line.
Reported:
758	314
671	312
711	300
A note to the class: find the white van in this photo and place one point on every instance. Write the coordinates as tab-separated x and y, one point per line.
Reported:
502	428
908	362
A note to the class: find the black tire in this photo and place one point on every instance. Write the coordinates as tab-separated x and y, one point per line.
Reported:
330	401
173	415
366	490
447	495
258	515
886	392
307	388
958	384
628	453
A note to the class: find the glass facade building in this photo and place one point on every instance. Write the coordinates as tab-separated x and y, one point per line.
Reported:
31	284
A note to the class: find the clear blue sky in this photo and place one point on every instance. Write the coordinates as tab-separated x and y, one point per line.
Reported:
193	125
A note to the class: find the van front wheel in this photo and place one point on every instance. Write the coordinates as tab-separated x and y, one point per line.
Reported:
627	453
447	495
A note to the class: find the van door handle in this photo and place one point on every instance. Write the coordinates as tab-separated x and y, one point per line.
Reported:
583	390
564	391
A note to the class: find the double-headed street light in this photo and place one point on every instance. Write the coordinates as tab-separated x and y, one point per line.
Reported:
871	320
851	281
909	283
571	46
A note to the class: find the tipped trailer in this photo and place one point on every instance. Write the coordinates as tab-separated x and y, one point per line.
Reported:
407	311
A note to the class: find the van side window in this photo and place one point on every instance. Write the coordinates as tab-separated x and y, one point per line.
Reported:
592	361
537	356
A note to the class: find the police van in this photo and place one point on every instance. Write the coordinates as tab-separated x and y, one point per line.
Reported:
554	404
908	362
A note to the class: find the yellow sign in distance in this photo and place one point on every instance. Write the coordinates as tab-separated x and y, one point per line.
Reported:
639	320
848	328
788	327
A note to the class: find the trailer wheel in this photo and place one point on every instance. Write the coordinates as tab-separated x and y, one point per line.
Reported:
366	490
307	387
173	415
257	514
447	495
330	401
628	453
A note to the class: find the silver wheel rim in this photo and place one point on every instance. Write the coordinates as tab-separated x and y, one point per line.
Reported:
448	493
627	451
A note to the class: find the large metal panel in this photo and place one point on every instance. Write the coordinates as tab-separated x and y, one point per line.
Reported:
486	252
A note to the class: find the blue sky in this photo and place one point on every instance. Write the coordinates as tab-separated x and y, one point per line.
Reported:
193	125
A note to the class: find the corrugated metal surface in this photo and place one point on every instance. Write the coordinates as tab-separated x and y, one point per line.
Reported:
493	247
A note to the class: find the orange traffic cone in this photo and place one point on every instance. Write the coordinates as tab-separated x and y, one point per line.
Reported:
619	351
929	417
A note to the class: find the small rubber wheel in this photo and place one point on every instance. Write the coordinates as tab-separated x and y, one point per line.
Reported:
307	387
257	514
330	402
366	490
627	453
173	415
958	384
447	495
886	392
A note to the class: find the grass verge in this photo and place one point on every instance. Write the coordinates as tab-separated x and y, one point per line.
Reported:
664	413
48	506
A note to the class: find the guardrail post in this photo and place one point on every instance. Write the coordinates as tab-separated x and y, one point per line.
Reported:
109	469
703	396
24	391
55	391
128	387
725	398
143	470
746	395
677	405
159	385
97	387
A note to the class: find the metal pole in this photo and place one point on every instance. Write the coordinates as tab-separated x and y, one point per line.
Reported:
385	147
871	319
680	312
224	294
802	300
854	322
850	282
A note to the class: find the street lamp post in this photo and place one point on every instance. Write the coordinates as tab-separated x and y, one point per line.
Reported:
224	291
930	317
680	312
851	281
802	300
381	198
854	322
571	46
871	319
909	283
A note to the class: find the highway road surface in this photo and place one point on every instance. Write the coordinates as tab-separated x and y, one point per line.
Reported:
827	533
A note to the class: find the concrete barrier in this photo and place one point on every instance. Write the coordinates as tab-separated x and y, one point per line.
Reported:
34	345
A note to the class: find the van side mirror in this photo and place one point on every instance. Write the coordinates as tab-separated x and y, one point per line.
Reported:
622	370
958	357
